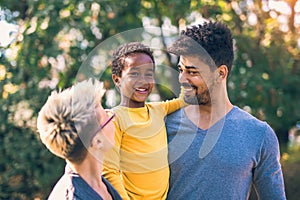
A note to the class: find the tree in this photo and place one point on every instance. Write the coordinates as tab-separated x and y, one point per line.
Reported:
57	36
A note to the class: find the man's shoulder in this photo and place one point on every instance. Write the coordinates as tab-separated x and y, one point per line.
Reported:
177	113
243	115
174	120
247	123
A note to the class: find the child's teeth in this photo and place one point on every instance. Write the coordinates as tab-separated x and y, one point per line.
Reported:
141	89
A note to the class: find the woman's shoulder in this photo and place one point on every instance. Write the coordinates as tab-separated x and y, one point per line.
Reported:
63	189
112	191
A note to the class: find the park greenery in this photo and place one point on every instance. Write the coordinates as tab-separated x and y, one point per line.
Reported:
56	36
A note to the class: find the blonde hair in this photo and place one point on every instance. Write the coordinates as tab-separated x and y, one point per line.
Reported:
67	121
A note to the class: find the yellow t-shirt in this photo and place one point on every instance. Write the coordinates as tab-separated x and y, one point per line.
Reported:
138	164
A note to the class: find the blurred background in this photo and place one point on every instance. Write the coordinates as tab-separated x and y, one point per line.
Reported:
43	43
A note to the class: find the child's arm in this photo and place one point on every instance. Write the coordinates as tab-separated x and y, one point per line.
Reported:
172	105
111	166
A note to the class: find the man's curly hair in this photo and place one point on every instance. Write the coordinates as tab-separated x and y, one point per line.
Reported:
67	121
213	37
123	51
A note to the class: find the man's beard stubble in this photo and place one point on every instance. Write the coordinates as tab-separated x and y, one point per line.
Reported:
199	99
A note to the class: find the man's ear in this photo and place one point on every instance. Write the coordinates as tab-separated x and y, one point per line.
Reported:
222	72
116	79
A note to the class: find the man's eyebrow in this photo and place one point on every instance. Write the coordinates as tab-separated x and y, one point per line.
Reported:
187	67
191	67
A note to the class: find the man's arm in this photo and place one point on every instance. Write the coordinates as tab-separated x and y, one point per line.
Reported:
268	178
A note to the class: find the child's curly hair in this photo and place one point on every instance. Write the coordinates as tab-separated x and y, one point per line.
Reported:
123	51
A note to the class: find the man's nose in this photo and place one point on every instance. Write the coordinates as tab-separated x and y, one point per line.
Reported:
182	77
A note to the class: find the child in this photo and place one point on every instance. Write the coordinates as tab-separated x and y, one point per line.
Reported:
138	164
76	128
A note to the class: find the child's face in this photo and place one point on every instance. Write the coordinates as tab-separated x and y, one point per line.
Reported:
136	81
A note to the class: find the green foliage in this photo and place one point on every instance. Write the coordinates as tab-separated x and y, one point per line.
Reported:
264	80
290	165
265	76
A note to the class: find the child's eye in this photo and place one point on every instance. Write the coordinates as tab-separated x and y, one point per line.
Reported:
149	75
134	74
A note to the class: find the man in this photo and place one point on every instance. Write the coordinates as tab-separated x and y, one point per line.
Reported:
217	150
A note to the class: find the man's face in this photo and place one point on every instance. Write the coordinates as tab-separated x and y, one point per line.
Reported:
197	80
137	79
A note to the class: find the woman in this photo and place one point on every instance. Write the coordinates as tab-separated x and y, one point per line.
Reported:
74	126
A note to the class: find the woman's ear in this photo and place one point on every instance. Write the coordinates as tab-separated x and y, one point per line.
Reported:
97	142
